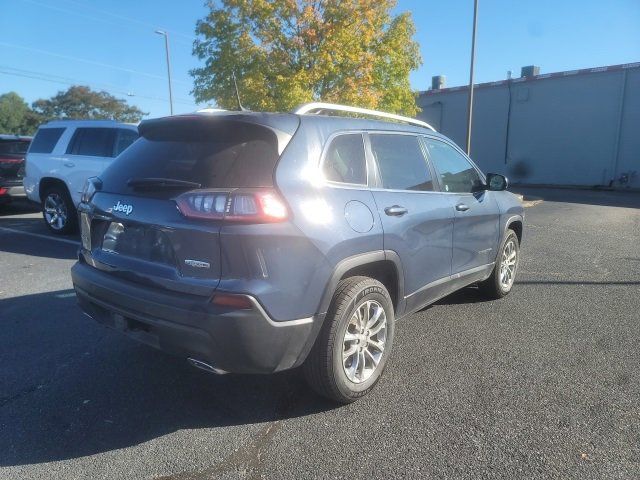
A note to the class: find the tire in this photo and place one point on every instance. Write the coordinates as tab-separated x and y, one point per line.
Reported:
493	287
347	380
59	213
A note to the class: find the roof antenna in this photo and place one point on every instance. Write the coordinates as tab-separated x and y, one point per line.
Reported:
235	83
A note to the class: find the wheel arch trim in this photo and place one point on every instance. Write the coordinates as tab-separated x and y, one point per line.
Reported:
362	260
507	223
510	221
51	180
346	264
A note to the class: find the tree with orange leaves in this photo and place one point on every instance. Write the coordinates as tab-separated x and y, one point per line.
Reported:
287	52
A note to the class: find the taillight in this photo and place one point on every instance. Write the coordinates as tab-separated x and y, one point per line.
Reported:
202	204
243	206
11	160
91	185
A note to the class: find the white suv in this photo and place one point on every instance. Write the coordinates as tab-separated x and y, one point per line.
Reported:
63	154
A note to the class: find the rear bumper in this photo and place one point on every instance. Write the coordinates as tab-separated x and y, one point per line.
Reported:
238	341
10	189
31	188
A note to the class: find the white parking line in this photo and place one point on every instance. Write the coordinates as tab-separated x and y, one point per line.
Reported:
40	235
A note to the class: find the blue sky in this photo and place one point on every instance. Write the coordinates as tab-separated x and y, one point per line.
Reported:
111	45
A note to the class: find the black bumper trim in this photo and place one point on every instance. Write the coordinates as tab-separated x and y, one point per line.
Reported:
238	341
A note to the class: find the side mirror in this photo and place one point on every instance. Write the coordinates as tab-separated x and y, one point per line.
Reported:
497	182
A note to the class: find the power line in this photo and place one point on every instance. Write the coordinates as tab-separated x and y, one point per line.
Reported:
129	19
89	17
91	62
52	7
103	13
69	81
37	76
51	77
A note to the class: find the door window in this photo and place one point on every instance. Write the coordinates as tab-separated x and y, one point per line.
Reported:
92	142
456	173
401	162
345	160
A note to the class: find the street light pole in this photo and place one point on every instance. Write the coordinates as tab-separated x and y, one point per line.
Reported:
473	61
166	48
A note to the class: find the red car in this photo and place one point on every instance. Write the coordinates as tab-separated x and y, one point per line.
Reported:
13	149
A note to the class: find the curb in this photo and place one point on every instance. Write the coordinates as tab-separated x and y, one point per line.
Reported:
529	201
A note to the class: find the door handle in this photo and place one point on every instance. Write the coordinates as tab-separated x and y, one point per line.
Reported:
461	207
395	211
69	164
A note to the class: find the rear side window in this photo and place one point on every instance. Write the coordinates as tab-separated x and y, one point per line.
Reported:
456	173
93	142
223	155
345	160
401	162
45	140
124	139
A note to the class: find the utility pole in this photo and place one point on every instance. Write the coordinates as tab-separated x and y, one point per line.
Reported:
166	48
473	61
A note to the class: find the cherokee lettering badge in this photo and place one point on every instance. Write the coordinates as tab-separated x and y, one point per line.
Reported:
197	263
122	207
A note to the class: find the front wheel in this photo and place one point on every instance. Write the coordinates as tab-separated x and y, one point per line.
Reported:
501	280
58	211
355	342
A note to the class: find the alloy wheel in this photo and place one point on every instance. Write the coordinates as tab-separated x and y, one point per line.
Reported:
364	341
508	265
55	211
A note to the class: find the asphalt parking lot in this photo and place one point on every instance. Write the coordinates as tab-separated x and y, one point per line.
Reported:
542	384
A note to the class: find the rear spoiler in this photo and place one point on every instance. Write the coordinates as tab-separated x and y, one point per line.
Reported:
204	126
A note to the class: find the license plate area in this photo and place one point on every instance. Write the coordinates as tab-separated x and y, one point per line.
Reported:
138	241
140	331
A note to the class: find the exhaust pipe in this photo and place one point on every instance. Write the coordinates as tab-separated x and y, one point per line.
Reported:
205	366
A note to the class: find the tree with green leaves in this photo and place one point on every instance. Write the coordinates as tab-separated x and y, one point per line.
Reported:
287	52
15	115
80	102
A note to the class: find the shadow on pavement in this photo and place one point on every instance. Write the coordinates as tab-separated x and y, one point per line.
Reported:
71	388
590	197
14	239
460	297
575	282
18	206
471	294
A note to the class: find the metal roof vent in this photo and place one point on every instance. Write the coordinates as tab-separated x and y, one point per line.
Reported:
530	71
438	82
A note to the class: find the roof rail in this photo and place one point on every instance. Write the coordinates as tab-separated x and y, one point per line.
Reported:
319	107
211	110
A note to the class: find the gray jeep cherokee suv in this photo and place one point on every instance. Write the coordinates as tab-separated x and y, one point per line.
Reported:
258	242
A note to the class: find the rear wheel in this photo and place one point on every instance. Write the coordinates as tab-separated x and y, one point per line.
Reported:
355	342
58	211
501	280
